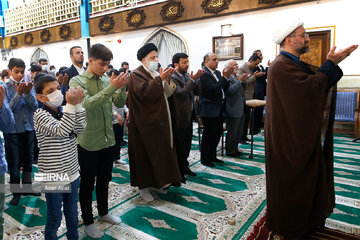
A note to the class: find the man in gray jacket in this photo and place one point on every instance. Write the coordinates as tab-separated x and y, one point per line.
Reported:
235	104
249	67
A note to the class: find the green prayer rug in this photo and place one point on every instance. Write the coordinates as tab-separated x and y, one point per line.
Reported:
203	207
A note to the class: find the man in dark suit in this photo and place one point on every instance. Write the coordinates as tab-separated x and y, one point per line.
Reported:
260	92
212	106
235	109
77	58
181	106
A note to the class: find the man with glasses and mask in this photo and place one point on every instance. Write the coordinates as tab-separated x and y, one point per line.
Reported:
152	156
298	155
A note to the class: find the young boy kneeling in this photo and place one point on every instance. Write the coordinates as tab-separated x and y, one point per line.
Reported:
56	131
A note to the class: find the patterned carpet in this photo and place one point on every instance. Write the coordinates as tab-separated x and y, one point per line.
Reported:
205	207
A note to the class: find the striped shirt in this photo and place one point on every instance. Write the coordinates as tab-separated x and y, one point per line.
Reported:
56	133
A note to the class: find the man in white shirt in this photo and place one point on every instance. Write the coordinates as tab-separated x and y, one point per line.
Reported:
77	68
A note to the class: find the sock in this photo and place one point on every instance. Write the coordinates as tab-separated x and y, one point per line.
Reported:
159	190
110	219
146	195
93	231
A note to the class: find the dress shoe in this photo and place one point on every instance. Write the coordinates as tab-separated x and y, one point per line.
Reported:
235	155
208	164
188	171
240	153
217	160
15	200
247	139
32	193
243	142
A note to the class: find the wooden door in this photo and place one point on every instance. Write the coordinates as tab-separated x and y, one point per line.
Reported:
319	48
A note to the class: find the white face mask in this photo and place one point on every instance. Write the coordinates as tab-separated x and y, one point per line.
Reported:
55	99
7	80
152	65
44	67
12	79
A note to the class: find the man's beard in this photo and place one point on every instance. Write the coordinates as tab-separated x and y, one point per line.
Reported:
80	62
304	49
182	71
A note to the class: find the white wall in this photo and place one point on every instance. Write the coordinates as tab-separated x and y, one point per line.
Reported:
58	53
258	28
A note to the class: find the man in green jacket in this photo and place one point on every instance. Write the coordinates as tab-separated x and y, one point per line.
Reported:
96	144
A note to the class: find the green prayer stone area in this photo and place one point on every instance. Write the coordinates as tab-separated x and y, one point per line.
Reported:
159	224
194	200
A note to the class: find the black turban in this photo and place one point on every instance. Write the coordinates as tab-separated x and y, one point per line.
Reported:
145	50
35	68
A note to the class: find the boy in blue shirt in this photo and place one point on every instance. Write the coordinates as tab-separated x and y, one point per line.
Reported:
19	141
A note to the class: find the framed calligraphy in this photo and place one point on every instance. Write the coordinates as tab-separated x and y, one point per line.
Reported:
13	42
28	39
65	31
106	23
45	35
136	18
215	6
172	11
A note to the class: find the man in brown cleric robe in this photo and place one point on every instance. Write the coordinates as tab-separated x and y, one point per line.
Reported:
299	165
152	156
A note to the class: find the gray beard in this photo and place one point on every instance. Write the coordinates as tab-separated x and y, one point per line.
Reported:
304	50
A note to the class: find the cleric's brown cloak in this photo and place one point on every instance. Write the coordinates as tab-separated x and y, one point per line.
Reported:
152	160
299	169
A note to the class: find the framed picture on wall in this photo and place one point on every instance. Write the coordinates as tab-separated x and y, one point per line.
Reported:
229	47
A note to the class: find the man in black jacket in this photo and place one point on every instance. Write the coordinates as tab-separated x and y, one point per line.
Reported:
77	58
212	106
260	92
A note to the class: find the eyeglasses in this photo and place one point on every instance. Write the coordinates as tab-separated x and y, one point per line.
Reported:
304	35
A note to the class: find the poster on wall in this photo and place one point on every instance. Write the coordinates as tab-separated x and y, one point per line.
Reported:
229	47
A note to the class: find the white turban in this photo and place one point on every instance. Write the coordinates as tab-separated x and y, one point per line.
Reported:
286	30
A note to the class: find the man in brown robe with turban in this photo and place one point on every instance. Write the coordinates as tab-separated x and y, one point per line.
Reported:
152	156
299	155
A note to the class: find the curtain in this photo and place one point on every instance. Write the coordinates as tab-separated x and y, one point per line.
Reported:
39	53
168	44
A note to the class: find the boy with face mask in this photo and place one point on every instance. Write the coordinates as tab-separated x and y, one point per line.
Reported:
19	142
56	130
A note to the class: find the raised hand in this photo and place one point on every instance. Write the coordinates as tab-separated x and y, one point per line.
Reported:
65	80
60	79
258	74
20	88
127	118
120	81
71	96
228	71
120	120
269	63
165	74
2	95
198	74
337	57
28	88
80	94
243	77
